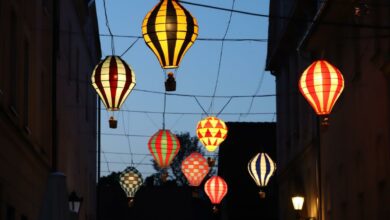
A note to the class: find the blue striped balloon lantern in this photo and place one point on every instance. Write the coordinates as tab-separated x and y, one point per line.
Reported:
261	168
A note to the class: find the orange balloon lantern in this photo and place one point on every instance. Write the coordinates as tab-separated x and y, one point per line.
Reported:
195	168
321	84
216	188
211	131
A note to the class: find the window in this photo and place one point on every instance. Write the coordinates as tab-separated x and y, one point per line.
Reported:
14	71
26	77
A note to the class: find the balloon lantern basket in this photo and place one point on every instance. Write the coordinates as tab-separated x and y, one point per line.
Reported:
262	195
170	83
113	122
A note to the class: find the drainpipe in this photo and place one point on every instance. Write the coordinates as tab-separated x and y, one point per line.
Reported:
308	32
55	44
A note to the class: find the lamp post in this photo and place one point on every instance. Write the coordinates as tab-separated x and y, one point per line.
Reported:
75	203
298	202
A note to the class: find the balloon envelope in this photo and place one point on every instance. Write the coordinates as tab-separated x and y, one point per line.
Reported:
163	146
130	180
195	168
261	168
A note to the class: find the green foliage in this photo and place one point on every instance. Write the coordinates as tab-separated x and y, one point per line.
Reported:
111	179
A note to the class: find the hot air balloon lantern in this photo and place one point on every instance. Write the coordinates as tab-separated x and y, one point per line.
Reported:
113	80
130	180
321	84
211	131
169	30
163	146
216	188
261	168
195	168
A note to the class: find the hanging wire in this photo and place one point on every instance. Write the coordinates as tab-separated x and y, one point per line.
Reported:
142	160
151	120
193	113
200	105
177	121
108	27
255	93
105	159
127	138
165	105
227	103
220	58
292	19
131	45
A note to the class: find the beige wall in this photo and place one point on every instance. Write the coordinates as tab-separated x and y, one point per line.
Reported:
25	103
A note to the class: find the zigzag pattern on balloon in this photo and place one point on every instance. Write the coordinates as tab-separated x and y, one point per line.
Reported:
211	131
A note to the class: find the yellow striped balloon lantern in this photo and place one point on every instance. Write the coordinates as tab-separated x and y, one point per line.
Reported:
130	180
321	84
163	146
113	80
169	30
211	131
261	168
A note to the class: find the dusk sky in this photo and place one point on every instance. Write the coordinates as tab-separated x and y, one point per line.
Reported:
242	73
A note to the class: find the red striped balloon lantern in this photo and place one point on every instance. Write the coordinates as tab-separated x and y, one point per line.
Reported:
211	131
113	80
195	168
163	146
216	188
321	84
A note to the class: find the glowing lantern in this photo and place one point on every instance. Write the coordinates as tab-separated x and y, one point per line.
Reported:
321	84
169	30
216	188
130	180
195	168
113	80
261	168
297	202
163	146
211	131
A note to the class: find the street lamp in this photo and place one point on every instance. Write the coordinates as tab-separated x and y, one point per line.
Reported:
297	202
74	202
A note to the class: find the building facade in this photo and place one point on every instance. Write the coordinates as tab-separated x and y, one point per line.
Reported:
26	103
343	171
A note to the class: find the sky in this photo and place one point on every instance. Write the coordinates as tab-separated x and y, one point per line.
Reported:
242	73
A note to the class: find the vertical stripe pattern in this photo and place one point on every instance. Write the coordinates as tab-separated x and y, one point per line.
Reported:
130	180
195	168
113	80
211	131
169	30
216	188
321	84
163	146
261	168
